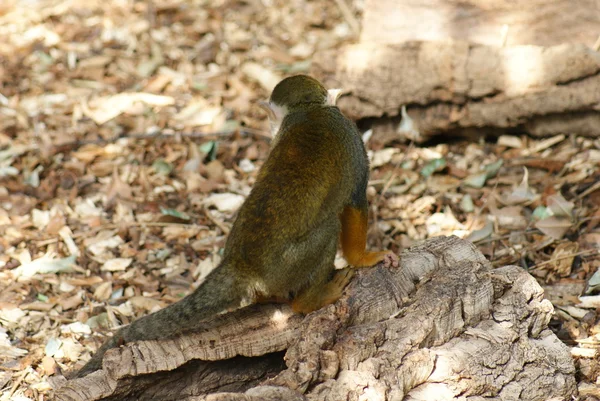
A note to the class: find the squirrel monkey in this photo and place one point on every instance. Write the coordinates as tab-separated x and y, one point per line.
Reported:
310	192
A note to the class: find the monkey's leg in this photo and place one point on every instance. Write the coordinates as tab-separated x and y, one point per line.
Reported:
324	293
354	240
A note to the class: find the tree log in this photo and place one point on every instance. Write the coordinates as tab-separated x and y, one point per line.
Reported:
466	88
444	325
532	22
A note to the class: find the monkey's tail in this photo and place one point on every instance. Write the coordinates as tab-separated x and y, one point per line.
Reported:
219	293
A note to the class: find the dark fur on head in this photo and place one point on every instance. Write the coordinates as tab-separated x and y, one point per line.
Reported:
299	90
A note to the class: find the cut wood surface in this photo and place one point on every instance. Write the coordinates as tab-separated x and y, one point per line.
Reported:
462	87
444	325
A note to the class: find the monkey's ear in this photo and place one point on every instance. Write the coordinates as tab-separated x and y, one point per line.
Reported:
332	96
266	106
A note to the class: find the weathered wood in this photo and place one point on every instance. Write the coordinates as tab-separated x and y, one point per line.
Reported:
443	324
532	22
461	87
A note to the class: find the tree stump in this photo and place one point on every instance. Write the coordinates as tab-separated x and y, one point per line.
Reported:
444	325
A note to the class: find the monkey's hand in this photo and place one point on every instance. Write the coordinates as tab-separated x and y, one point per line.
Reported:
391	260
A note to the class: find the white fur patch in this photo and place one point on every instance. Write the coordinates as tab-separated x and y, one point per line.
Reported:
332	96
276	116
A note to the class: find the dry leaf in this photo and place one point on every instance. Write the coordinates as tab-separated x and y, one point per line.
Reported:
226	202
562	258
45	264
510	141
486	231
71	302
102	242
265	77
146	304
510	217
554	227
522	193
559	206
116	264
105	108
117	189
444	224
48	365
103	291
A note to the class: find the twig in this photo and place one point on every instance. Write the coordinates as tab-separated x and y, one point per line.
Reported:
588	191
397	165
571	255
545	144
349	16
18	382
218	223
506	236
112	226
197	135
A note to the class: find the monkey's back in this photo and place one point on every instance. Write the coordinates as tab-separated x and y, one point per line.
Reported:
291	217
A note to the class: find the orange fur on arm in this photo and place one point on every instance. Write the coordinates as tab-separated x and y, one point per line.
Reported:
354	238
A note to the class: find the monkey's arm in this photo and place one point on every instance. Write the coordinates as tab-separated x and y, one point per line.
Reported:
354	220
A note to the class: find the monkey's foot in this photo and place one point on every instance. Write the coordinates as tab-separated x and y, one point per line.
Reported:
335	288
319	296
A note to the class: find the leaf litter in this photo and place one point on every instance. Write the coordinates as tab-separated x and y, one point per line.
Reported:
130	136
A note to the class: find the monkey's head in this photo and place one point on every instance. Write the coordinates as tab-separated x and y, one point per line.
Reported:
295	94
298	91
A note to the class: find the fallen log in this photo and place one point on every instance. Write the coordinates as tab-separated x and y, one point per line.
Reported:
444	325
468	89
533	22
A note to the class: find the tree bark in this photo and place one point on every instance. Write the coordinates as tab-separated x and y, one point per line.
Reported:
444	325
532	22
466	89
